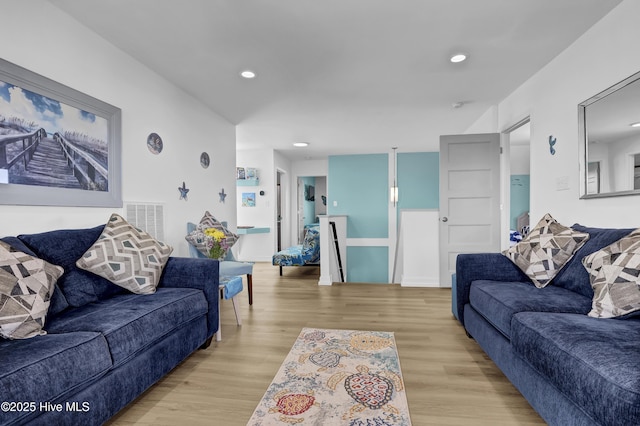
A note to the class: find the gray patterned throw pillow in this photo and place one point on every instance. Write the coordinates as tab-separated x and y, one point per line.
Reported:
26	286
545	250
614	272
197	238
127	256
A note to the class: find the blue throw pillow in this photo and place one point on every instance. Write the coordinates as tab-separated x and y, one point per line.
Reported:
64	248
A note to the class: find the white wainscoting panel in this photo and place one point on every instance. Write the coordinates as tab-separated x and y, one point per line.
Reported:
419	249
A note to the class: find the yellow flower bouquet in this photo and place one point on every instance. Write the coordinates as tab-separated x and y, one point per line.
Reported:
216	243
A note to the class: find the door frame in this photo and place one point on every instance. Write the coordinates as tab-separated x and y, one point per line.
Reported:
505	172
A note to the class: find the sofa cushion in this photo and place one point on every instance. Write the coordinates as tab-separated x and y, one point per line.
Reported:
614	272
130	322
573	276
198	239
127	256
26	286
499	301
46	368
594	362
546	250
64	247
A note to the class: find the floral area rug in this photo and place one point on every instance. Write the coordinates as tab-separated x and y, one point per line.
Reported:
337	377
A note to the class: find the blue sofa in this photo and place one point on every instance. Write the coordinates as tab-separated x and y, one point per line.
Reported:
104	345
573	369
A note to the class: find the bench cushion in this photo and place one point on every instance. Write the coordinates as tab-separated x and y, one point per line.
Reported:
303	254
46	368
131	323
499	301
594	362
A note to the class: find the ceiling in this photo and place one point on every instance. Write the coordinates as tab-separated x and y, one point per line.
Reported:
346	76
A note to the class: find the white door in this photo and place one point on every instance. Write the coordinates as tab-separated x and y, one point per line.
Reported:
469	198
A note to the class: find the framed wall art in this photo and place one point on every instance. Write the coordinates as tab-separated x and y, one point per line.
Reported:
58	146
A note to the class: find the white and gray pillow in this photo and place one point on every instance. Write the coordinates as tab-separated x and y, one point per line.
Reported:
127	256
546	249
198	239
614	272
26	286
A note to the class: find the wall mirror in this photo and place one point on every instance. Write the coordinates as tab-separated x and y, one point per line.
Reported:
609	125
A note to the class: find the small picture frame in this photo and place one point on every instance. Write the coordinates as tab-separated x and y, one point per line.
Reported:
251	173
248	199
240	173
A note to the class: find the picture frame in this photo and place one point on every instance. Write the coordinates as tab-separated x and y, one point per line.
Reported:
45	125
248	199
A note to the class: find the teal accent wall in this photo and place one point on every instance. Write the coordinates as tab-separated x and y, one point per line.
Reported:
360	186
367	264
418	180
520	194
308	207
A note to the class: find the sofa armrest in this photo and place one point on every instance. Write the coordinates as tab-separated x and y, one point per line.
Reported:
201	274
482	266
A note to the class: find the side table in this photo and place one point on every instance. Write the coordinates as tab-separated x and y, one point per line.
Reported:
230	287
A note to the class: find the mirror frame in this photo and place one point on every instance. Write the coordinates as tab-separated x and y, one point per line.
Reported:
583	140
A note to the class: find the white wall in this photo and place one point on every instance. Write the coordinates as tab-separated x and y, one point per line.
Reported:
600	58
63	50
258	247
519	157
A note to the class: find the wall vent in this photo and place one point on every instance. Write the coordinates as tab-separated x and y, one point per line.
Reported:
148	217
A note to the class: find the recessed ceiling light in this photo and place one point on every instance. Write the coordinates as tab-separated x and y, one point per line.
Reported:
301	144
248	74
458	58
635	124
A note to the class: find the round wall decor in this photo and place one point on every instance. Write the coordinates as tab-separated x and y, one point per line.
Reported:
204	160
154	143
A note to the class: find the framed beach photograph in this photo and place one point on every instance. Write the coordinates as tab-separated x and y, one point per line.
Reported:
248	199
58	146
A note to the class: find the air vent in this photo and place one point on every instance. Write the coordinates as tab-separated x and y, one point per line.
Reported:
148	217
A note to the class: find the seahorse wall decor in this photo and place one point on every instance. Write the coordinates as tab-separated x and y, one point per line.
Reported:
552	142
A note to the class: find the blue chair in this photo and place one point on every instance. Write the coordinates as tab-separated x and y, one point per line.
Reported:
229	267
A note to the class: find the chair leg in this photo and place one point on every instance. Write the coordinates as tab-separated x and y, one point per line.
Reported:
280	270
236	309
250	288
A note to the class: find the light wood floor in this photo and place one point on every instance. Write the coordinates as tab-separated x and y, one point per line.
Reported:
448	378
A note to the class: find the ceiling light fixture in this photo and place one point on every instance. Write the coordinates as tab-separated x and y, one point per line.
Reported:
301	144
637	124
458	58
248	74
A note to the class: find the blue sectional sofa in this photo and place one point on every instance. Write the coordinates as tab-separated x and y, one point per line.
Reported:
104	345
572	368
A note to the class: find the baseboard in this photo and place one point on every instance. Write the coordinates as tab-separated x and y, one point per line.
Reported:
421	282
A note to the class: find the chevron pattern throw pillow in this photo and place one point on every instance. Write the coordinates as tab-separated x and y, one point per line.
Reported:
197	237
127	256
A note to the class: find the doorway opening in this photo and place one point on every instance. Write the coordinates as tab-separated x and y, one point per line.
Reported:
516	180
279	210
312	202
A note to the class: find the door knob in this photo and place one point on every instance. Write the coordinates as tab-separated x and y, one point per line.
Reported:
445	219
